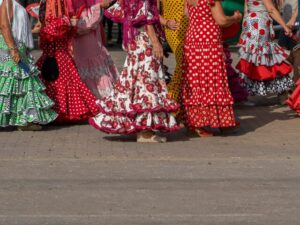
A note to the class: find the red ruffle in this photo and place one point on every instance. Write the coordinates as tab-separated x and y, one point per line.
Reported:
294	100
136	128
263	72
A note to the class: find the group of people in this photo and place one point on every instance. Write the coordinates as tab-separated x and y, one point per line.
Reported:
76	79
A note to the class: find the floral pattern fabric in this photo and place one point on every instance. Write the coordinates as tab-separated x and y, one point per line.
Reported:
207	99
262	61
139	100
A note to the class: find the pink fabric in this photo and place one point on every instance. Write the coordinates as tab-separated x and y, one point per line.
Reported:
74	5
95	65
135	14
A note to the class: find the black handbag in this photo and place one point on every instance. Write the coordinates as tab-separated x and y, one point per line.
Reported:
50	69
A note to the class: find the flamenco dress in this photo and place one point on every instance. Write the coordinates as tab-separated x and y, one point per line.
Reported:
22	94
262	62
174	9
207	99
74	102
139	100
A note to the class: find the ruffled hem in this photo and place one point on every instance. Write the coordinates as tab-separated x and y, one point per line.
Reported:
64	118
30	115
294	99
263	88
262	72
126	125
135	109
22	97
209	116
268	55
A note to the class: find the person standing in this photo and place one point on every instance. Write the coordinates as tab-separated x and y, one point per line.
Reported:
74	102
23	102
207	99
94	63
139	102
175	28
262	61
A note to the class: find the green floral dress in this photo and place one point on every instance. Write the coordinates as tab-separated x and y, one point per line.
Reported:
22	97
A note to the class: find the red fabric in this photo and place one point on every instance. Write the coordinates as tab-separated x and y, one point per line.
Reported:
263	72
231	31
294	100
206	96
73	100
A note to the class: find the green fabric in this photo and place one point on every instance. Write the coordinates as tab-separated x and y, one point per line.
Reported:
22	97
229	7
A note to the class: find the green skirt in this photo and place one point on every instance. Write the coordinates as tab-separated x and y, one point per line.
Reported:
22	96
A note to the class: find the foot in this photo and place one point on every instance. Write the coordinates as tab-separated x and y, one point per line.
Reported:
201	132
150	137
30	127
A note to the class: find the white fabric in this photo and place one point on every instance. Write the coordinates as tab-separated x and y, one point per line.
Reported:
20	25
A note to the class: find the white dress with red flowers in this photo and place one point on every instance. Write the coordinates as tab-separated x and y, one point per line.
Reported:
262	61
139	100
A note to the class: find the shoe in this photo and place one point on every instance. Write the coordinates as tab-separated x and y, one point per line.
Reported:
32	127
201	132
152	139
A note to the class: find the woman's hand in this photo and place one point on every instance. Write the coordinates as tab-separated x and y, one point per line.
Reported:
105	4
15	55
37	27
172	24
158	50
288	32
291	23
74	21
238	16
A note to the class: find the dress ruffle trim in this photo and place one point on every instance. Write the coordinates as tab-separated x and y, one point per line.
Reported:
262	72
129	125
22	98
268	55
263	88
108	108
294	100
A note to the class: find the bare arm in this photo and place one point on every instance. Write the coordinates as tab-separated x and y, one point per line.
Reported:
157	48
245	8
220	17
276	15
169	23
5	28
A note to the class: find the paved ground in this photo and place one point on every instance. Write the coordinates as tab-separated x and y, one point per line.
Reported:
75	175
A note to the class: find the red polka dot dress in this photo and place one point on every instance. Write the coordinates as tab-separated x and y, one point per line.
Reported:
207	100
74	102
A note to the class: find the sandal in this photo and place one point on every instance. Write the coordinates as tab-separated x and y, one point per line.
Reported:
201	132
154	138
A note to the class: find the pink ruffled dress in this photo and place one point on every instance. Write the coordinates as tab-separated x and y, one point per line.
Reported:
94	63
